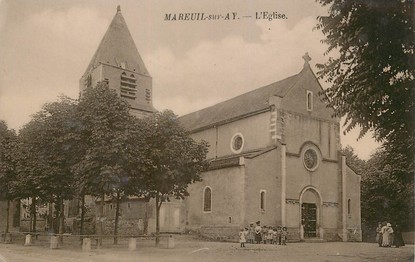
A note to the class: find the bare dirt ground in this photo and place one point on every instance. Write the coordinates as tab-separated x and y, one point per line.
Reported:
189	248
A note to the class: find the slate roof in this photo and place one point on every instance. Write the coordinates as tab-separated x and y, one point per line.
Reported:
238	106
233	160
118	46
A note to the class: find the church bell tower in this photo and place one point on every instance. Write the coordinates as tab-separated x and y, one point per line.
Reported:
118	63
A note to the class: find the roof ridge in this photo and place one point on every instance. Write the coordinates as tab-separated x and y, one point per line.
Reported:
243	94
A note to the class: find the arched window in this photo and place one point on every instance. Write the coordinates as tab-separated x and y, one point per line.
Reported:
262	200
207	199
309	101
349	207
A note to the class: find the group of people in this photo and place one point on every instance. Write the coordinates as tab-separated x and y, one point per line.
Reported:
263	234
386	236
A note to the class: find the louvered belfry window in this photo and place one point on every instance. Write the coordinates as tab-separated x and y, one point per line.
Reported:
128	86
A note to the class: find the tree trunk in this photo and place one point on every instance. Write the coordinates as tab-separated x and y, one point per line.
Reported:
81	229
33	209
61	222
158	219
100	221
117	216
7	217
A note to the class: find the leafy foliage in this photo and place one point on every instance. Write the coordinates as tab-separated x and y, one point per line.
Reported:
105	132
95	147
373	77
8	140
171	160
372	81
353	161
387	193
47	151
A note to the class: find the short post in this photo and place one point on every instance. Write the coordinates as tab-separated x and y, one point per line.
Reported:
28	240
8	238
170	242
86	244
53	242
99	242
132	244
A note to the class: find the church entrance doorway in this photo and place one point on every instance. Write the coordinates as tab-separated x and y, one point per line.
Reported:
310	207
309	219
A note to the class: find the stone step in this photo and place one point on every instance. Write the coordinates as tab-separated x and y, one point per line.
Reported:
314	240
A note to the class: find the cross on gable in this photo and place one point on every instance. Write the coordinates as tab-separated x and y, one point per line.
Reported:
306	57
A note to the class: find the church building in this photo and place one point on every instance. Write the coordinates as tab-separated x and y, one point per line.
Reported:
275	158
274	154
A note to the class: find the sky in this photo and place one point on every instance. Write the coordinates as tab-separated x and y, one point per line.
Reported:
46	45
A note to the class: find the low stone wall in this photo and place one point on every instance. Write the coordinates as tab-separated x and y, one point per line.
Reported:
125	226
25	225
221	233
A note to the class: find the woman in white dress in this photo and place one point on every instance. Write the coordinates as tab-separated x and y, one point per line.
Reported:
387	232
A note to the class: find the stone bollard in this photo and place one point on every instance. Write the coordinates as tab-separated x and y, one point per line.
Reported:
53	242
28	240
132	244
170	242
8	238
86	244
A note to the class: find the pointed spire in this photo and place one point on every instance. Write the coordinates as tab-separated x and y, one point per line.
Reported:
117	48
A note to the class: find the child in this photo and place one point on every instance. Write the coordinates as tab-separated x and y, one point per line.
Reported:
275	237
279	234
264	233
270	234
251	233
284	235
242	238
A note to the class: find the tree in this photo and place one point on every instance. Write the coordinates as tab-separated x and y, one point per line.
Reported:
172	160
373	76
48	152
8	140
106	128
30	166
387	194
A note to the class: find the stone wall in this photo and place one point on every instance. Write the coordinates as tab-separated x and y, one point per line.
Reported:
25	225
354	235
293	234
125	227
331	234
220	233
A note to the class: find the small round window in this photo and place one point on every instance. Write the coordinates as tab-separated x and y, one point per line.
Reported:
310	159
237	143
